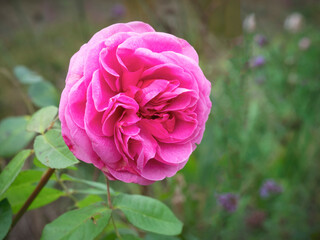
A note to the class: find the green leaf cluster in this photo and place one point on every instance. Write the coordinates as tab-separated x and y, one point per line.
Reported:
89	221
15	185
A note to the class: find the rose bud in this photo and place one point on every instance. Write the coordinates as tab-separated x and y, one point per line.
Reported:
135	103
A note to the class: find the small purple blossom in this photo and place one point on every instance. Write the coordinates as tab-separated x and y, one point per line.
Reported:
261	40
228	201
118	10
257	61
270	187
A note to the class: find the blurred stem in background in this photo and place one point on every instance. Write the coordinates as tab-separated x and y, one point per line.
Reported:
8	75
82	19
111	207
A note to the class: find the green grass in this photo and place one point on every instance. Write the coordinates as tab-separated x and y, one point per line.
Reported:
259	131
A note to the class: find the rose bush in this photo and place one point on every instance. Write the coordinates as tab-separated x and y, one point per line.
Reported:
135	103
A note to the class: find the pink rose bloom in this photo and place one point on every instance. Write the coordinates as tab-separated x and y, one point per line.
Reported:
135	103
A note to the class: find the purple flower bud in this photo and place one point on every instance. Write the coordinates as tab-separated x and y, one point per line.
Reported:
118	10
261	40
257	61
228	201
270	187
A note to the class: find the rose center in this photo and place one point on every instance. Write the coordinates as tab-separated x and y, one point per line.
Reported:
147	116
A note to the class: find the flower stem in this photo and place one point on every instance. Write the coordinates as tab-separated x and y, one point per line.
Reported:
115	228
109	195
33	195
111	207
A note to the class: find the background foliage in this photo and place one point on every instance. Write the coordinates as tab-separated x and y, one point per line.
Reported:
264	122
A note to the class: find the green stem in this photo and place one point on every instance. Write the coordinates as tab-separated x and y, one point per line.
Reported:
109	195
33	195
111	207
66	189
115	227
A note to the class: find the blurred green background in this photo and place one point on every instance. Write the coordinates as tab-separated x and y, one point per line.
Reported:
265	72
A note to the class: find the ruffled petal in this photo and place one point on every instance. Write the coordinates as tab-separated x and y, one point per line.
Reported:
129	177
101	92
140	27
77	102
105	148
119	105
92	118
173	154
156	171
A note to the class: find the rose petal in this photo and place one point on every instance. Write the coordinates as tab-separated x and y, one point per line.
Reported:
140	27
174	153
118	104
76	65
185	99
105	148
149	148
170	71
156	171
128	177
149	92
184	126
109	61
160	42
92	118
81	146
77	102
75	137
107	32
92	62
101	92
